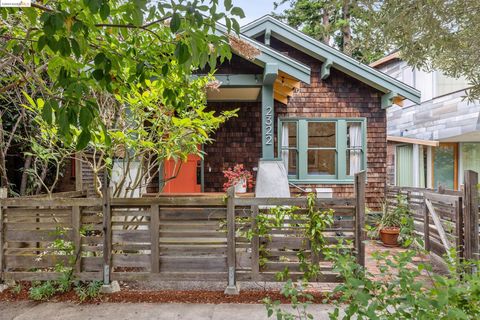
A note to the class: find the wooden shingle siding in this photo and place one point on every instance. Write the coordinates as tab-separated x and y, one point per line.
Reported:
340	96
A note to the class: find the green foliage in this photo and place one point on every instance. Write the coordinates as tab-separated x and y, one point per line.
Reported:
300	300
339	23
42	291
86	291
66	281
438	35
74	51
16	289
399	217
405	291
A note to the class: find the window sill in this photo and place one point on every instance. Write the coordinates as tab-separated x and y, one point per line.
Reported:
317	181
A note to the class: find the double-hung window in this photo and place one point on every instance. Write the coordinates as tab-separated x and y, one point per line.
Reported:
323	150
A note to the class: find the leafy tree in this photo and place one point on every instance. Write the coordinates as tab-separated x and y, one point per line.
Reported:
114	78
433	35
340	23
110	46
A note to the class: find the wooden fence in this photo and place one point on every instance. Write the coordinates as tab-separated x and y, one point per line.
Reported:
445	219
165	238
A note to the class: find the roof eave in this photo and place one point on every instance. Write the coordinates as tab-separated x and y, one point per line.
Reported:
268	55
321	51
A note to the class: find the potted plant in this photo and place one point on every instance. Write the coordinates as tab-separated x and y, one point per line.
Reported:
394	223
239	177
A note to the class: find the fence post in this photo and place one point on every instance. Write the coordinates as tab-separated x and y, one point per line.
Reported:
470	199
255	245
459	225
154	236
232	287
426	224
3	195
360	181
77	240
107	235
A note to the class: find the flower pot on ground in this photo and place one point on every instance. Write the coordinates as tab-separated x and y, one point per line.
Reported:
396	224
238	177
389	236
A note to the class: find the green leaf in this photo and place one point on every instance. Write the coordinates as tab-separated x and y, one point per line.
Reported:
98	74
182	53
99	58
237	11
64	46
175	22
228	4
83	139
75	47
85	117
47	113
104	11
42	41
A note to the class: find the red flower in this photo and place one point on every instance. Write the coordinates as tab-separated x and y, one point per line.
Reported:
237	174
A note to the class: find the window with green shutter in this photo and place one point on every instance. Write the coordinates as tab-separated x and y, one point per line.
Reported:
322	150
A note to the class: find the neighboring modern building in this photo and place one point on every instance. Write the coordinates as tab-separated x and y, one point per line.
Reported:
304	105
432	143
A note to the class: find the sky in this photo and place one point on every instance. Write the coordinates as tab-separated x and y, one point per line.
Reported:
254	9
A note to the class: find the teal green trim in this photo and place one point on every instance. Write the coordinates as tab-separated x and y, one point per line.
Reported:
240	80
267	122
268	55
320	181
325	70
387	99
323	52
270	73
302	145
341	148
268	33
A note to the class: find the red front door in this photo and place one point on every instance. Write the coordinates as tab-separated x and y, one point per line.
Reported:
187	179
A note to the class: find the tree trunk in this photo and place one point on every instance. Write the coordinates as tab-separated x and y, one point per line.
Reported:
346	30
326	26
24	181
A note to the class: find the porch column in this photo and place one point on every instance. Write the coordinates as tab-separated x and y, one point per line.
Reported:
269	75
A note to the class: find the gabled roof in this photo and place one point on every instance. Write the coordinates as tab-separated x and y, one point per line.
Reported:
268	55
332	57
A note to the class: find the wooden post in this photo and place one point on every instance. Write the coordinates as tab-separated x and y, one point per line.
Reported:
77	240
231	251
154	236
470	200
460	236
107	235
3	195
426	225
255	245
360	236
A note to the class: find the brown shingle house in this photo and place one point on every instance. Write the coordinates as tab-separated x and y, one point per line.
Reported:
312	110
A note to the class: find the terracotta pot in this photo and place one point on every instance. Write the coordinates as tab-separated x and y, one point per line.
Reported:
389	236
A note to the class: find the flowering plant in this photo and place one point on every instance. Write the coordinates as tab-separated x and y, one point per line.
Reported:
236	175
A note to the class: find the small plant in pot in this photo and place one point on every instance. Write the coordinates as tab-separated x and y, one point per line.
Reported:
239	177
396	224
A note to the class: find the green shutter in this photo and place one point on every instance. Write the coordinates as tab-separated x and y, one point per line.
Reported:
404	166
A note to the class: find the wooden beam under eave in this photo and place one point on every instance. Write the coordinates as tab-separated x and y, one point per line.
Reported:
431	143
285	80
325	70
286	91
388	99
280	98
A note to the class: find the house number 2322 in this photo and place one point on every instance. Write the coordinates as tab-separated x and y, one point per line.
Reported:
269	126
